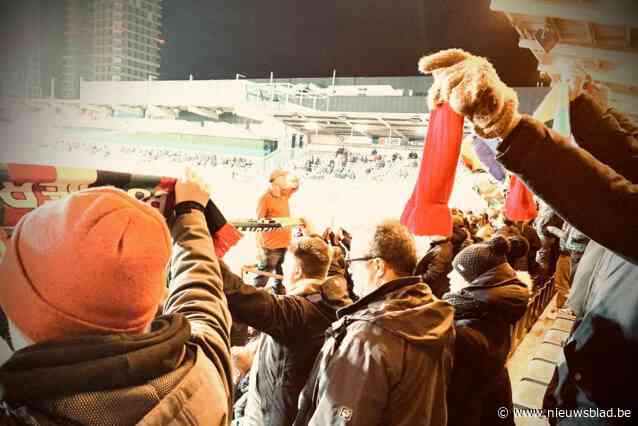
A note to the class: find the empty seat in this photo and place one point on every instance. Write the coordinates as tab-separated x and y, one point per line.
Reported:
540	371
555	337
565	315
529	394
549	353
531	421
563	324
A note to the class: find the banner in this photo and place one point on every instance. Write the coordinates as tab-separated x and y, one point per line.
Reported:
25	187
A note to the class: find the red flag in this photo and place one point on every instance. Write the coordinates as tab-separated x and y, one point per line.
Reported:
520	204
426	212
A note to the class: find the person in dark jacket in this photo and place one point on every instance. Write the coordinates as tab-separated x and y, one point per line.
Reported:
461	237
549	252
599	356
530	234
435	265
488	299
88	349
519	247
294	325
387	360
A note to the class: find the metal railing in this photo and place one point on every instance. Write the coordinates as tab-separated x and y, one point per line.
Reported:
537	304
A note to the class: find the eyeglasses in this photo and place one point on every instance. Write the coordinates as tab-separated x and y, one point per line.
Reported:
360	259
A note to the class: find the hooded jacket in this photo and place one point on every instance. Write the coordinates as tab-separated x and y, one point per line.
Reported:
178	374
484	312
295	326
386	361
600	354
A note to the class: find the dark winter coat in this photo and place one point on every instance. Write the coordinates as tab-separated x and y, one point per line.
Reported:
435	266
386	361
549	251
179	373
461	238
483	315
295	326
595	189
535	244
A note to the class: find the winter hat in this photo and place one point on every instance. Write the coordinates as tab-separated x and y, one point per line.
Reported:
475	260
91	263
519	246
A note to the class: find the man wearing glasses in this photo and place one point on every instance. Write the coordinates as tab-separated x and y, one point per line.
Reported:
387	359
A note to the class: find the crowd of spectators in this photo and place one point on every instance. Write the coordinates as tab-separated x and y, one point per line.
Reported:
346	164
147	154
115	317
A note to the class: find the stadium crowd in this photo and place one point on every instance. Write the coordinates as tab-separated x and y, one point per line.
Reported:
344	164
367	333
146	154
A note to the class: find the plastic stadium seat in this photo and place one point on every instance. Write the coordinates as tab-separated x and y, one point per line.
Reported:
555	337
529	394
549	353
531	421
567	316
540	371
562	324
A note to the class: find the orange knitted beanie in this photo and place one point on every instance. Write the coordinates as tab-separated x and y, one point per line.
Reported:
91	263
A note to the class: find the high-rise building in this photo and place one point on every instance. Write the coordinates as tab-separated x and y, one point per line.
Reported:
111	40
21	49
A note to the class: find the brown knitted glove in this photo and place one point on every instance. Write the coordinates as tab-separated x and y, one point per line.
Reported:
471	86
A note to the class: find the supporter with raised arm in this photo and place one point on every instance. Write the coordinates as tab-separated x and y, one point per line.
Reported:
272	245
436	264
387	360
81	283
295	326
594	187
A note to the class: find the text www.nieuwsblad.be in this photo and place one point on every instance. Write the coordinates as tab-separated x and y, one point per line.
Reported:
581	413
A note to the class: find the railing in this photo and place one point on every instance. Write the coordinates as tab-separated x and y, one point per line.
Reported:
537	304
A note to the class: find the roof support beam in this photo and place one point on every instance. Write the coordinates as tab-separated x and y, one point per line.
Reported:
623	75
620	12
551	23
571	50
393	130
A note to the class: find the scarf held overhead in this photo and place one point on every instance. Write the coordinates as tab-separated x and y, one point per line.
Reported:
25	187
427	212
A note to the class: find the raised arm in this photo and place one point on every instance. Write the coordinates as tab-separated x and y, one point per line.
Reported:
195	286
282	317
590	195
606	134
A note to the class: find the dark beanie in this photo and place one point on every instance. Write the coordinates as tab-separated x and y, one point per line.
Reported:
519	247
477	259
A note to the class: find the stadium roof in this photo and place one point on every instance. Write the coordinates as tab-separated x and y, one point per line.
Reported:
599	36
405	126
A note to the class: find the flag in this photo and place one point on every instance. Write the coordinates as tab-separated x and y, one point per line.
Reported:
427	212
520	204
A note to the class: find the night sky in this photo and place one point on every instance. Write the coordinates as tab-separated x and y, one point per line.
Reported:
308	38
